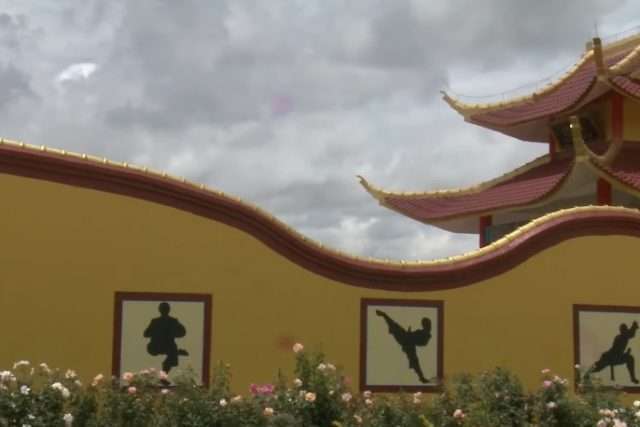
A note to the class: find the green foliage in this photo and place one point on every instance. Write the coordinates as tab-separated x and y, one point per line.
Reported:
318	396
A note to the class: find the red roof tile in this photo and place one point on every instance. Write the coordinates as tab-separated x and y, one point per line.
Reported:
566	96
523	189
626	168
630	86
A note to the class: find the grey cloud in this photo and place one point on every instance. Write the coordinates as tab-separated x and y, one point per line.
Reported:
13	29
489	34
224	80
14	84
201	62
396	237
325	201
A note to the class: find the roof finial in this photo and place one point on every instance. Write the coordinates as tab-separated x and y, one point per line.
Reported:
598	57
370	189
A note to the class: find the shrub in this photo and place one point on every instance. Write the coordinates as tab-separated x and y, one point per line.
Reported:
317	396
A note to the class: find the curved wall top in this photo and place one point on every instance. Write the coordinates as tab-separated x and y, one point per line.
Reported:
408	276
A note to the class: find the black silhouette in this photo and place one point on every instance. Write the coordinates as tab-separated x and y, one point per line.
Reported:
409	340
619	354
163	331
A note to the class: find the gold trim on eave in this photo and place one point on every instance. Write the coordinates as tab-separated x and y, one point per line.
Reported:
467	109
627	64
381	194
608	50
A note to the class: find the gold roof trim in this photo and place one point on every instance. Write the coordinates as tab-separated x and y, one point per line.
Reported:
608	50
627	64
622	45
468	109
381	194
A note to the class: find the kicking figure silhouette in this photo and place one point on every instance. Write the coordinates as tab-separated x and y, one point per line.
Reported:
409	340
618	354
163	331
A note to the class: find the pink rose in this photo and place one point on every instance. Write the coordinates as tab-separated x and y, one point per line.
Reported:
132	390
265	389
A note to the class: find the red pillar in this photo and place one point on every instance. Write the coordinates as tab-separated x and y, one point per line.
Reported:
483	223
553	147
617	112
617	133
604	192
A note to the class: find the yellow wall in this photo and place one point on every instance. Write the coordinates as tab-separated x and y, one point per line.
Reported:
66	250
631	120
603	108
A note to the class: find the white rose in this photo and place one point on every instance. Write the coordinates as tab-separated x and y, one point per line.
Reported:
68	419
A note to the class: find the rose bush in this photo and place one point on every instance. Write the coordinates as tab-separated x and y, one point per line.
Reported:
317	395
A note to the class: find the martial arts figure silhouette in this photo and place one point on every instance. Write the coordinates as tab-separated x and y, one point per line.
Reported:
163	331
619	354
409	340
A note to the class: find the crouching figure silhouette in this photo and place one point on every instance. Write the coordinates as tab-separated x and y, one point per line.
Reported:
163	331
618	354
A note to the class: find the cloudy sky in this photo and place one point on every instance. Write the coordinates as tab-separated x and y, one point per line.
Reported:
283	103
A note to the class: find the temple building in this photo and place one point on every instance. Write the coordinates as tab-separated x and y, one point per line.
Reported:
589	118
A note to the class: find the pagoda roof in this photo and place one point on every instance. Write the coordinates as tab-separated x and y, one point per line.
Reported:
542	181
445	208
600	70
